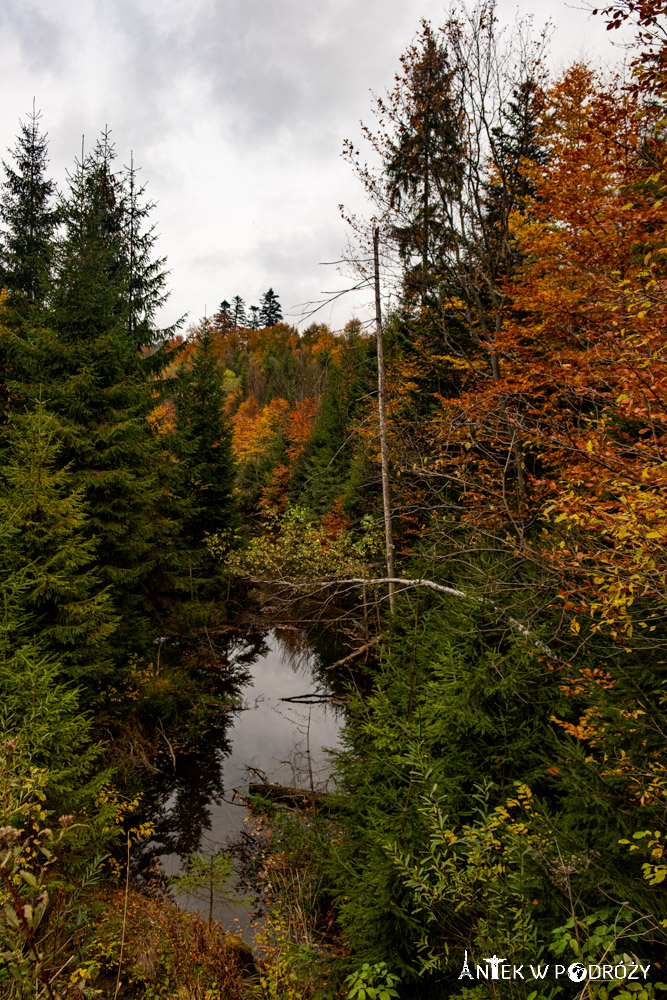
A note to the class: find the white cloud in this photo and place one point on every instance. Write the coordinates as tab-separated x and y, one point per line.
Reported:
236	112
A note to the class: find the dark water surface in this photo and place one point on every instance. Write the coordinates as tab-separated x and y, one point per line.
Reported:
196	807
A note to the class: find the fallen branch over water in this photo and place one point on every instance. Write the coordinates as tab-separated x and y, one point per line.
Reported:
297	798
453	592
439	588
354	655
314	699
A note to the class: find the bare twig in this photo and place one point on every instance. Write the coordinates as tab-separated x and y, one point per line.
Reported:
122	938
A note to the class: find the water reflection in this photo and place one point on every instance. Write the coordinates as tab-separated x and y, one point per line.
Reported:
193	803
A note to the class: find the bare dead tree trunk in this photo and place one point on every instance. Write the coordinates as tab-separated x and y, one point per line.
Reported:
386	499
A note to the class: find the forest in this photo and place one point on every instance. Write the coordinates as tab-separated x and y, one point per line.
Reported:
468	491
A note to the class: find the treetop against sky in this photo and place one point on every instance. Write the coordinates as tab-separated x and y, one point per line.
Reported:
236	113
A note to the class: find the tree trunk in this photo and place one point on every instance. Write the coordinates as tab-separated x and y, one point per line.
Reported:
386	499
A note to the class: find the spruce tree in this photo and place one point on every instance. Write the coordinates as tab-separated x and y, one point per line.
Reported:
146	273
67	613
28	216
515	144
203	483
204	443
223	317
97	380
320	474
423	160
270	312
41	717
238	312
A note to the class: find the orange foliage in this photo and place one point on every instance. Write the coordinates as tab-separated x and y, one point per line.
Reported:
574	427
299	426
335	521
255	427
163	418
273	498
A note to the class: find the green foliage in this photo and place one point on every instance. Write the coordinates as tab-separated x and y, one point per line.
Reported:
207	877
41	711
459	830
40	596
146	276
45	922
270	311
85	360
202	484
327	470
46	547
423	162
204	444
296	548
372	982
29	220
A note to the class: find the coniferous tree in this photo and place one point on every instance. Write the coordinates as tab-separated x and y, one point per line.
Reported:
270	311
254	317
204	443
423	162
146	273
223	317
28	215
204	480
68	613
515	145
41	710
100	384
28	218
41	720
238	312
320	474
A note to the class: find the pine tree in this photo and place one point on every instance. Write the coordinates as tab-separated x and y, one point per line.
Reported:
67	612
270	312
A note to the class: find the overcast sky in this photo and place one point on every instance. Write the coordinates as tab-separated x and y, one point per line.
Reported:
236	111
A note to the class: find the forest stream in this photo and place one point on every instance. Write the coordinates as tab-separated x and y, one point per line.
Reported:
196	802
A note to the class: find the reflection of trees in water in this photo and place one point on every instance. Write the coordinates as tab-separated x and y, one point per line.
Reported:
308	654
178	799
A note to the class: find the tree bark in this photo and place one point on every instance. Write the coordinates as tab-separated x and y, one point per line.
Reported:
384	457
